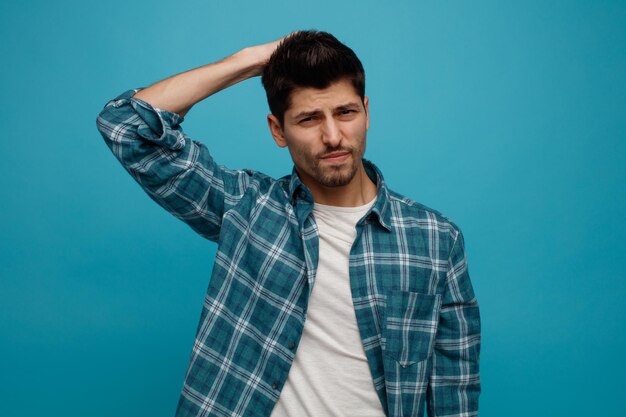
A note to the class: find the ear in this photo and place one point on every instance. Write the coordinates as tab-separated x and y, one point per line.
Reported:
276	130
366	103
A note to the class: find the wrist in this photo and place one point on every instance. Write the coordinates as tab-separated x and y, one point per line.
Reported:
252	61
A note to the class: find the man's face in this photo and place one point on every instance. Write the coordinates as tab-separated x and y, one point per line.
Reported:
325	132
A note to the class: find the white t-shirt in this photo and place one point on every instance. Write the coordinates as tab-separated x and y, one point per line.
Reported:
330	375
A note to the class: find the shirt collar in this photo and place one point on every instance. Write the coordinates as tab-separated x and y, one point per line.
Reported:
380	210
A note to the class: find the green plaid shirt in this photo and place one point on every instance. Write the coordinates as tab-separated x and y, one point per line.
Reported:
414	303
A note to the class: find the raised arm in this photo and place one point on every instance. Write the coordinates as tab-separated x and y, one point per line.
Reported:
142	129
180	92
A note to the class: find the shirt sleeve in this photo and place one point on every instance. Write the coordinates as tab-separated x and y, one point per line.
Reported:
175	171
454	385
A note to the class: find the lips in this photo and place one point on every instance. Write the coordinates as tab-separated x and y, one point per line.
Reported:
336	156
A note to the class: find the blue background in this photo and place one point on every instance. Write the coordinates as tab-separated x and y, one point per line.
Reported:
508	117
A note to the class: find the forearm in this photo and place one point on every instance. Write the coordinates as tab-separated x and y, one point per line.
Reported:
180	92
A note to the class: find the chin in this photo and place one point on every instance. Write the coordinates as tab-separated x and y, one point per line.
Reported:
339	179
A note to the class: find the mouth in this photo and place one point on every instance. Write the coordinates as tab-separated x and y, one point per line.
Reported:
335	157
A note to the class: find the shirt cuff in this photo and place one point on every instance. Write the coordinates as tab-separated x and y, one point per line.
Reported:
157	125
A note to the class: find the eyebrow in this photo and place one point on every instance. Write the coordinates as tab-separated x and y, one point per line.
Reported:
350	105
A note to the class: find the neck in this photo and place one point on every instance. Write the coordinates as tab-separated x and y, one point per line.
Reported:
361	190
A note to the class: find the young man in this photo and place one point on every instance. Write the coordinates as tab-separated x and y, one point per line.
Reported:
331	295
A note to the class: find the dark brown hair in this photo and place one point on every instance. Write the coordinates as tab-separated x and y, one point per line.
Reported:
309	59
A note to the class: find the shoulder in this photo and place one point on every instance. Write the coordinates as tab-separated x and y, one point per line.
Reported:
407	212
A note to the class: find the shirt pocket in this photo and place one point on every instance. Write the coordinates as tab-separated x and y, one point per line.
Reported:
410	325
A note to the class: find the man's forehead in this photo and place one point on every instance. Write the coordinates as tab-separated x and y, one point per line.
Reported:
337	94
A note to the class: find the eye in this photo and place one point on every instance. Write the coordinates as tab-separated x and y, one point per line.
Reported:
347	113
307	120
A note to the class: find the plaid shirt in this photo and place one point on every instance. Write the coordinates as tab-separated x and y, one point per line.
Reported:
415	306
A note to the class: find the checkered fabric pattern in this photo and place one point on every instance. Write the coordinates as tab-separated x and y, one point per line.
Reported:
415	306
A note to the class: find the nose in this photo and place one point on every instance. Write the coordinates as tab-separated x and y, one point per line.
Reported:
331	132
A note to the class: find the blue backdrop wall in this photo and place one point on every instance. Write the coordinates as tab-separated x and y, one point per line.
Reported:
522	104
